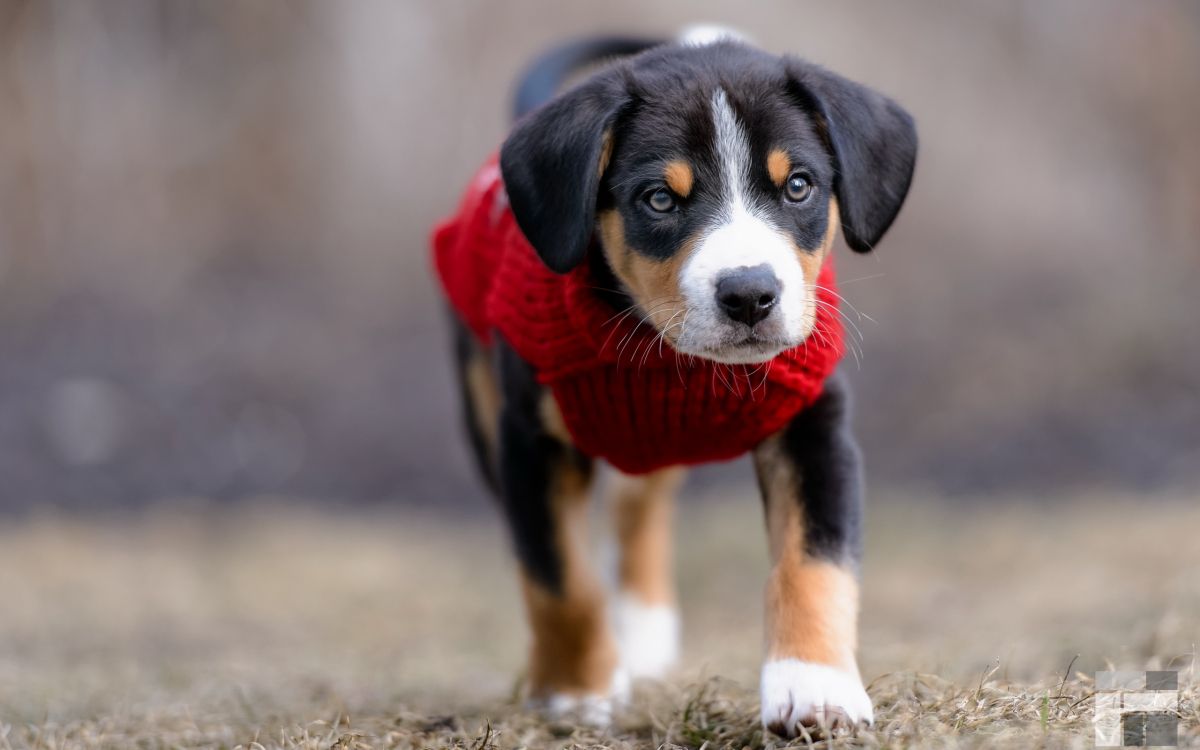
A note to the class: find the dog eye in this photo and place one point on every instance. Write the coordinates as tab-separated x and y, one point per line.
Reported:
660	201
797	188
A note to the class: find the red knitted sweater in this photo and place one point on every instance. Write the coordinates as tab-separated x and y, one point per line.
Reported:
624	396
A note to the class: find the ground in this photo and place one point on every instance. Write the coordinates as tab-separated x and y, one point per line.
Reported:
287	627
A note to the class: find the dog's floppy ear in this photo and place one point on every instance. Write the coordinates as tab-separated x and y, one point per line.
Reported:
874	145
552	164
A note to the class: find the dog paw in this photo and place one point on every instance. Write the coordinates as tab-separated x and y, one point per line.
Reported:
647	636
587	709
799	694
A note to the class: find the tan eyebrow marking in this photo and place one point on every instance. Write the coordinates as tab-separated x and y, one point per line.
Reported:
778	166
679	177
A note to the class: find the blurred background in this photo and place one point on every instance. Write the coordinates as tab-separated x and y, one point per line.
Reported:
214	274
217	311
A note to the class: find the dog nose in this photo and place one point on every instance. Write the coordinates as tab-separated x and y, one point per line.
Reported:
748	294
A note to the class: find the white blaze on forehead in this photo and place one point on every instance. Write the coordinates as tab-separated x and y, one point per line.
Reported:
733	149
742	237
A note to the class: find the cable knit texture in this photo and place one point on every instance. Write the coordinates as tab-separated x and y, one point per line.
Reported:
625	396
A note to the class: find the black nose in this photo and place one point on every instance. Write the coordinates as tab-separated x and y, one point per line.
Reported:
748	294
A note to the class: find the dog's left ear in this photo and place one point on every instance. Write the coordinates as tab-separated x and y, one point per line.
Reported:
552	164
874	145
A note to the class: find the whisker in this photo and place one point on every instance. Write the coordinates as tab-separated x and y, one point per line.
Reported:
820	333
835	308
682	332
608	289
843	282
850	322
620	314
653	303
629	311
747	372
652	306
849	343
724	381
648	343
616	328
662	335
625	340
861	315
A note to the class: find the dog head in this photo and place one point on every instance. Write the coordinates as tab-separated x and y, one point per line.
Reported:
716	177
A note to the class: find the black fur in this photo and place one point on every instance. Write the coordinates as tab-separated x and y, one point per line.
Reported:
829	471
546	74
874	144
671	118
529	459
847	140
467	348
551	169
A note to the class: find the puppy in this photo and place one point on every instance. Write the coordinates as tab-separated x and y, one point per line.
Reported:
643	277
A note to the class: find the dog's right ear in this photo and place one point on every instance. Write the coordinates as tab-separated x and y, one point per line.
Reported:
552	164
874	147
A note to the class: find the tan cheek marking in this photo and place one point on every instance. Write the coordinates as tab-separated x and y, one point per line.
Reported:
654	284
779	166
679	177
642	515
811	608
835	223
811	260
573	651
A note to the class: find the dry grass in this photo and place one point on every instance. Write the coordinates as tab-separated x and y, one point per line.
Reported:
294	629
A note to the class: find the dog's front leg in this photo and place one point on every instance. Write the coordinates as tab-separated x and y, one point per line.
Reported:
810	479
544	485
644	612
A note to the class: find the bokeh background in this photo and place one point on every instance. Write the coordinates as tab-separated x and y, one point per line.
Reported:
214	275
235	504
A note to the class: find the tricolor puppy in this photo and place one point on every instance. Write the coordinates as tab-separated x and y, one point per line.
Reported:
643	277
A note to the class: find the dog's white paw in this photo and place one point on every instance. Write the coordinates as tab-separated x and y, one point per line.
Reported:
622	687
588	709
797	693
647	636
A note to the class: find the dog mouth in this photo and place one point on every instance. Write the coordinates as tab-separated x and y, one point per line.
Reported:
735	343
751	348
